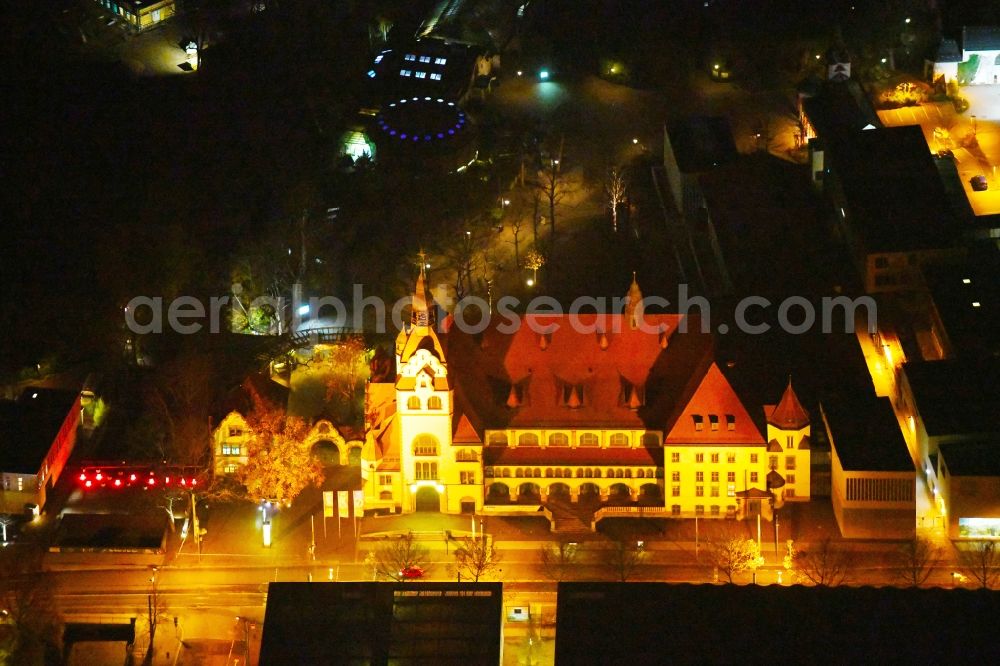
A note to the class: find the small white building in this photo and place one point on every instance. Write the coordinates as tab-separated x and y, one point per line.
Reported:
957	60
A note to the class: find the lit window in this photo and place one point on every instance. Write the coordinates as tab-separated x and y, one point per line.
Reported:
425	58
433	402
675	477
713	419
20	483
731	458
405	72
467	478
229	469
230	449
527	439
731	490
588	439
699	457
619	439
440	61
371	73
420	75
413	402
385	479
699	423
731	477
699	476
730	422
715	457
715	491
753	458
378	58
699	491
715	477
966	281
558	439
976	304
409	57
675	456
425	445
789	462
435	76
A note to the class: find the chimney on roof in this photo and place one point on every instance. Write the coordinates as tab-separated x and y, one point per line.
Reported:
513	399
574	402
634	401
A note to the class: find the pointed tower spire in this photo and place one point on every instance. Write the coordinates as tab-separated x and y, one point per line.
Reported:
789	414
633	304
420	312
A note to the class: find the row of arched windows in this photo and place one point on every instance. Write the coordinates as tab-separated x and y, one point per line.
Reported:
622	439
433	402
567	473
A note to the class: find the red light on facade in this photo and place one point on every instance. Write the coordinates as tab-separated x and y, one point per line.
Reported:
131	477
194	482
151	481
183	481
166	480
89	483
83	477
99	476
118	483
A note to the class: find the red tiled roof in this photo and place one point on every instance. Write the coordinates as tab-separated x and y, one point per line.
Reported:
714	396
789	413
546	373
464	432
552	455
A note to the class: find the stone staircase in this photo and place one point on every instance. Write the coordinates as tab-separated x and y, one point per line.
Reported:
566	520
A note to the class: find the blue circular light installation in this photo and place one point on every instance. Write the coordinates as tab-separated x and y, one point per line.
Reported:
424	118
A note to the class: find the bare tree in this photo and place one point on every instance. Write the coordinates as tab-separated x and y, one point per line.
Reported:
31	623
398	555
623	558
616	188
557	560
915	561
826	564
155	608
735	554
980	561
476	558
552	188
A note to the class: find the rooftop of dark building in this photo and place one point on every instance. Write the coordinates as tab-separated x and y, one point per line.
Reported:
658	623
29	425
967	300
865	433
975	458
956	396
396	623
894	196
840	107
701	143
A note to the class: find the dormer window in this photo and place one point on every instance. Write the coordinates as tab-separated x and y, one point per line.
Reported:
699	422
730	422
713	420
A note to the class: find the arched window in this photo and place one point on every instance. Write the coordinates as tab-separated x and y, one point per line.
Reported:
611	473
597	473
620	474
619	439
385	495
579	473
628	473
548	472
527	439
558	439
558	473
567	474
506	473
538	473
650	440
498	439
641	474
425	445
434	402
589	473
518	472
589	439
413	402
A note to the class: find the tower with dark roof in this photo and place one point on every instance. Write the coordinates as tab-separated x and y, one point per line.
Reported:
788	431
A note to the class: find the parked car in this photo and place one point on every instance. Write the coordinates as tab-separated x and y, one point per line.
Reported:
978	183
411	573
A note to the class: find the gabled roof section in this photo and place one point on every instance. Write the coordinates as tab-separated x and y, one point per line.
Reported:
774	447
716	398
463	432
789	414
